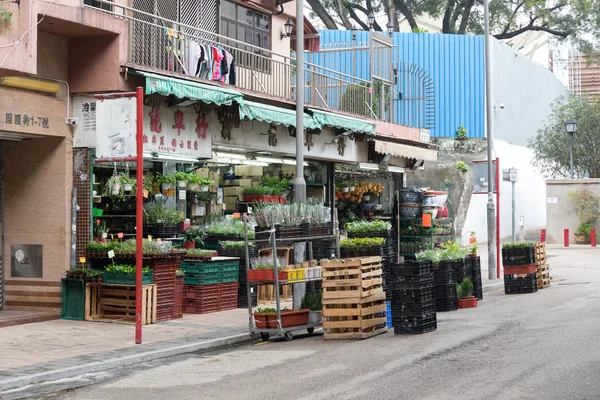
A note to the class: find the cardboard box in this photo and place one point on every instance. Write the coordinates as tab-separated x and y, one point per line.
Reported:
248	170
247	182
230	202
233	191
198	210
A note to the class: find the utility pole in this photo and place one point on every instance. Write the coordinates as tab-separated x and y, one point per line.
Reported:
299	182
491	207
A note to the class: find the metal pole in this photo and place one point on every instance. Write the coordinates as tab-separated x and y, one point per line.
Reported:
571	155
248	286
299	182
138	214
498	252
488	100
514	232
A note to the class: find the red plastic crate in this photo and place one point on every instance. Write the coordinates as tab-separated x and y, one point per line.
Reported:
520	270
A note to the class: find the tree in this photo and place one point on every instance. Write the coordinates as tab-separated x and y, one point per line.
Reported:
551	145
578	20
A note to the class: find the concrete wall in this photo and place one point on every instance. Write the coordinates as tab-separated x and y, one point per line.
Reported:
530	196
562	214
53	56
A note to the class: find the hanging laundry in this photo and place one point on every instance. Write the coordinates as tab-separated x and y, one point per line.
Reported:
226	67
217	58
192	60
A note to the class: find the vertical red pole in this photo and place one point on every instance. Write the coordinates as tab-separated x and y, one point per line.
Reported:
138	214
566	238
498	218
543	236
593	237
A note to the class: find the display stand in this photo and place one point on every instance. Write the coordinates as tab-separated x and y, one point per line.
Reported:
266	333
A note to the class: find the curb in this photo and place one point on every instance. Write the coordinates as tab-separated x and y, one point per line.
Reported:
98	366
493	287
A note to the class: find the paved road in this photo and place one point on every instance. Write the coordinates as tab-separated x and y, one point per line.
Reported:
534	346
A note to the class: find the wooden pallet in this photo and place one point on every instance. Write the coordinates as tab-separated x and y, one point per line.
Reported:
543	268
354	318
352	278
92	300
539	252
117	303
543	285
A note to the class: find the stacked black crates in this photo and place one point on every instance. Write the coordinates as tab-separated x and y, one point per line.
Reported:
413	300
242	300
445	285
519	269
474	266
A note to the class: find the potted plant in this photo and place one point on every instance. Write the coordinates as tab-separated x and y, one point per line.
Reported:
352	186
205	184
114	186
161	221
262	316
182	179
313	301
166	181
124	274
586	202
193	236
194	182
128	183
464	292
148	185
461	134
290	318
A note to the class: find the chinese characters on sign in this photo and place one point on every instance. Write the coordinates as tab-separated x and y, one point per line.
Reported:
26	120
188	136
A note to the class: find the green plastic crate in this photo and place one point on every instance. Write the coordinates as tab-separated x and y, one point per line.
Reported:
195	267
73	299
202	279
126	279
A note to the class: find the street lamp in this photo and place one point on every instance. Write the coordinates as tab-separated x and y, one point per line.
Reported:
354	31
571	127
371	18
390	28
289	27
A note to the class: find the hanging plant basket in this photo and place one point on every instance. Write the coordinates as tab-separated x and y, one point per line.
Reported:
204	188
181	184
128	187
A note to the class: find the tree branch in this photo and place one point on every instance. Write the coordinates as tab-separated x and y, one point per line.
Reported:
464	19
531	27
355	16
447	15
341	12
370	9
512	17
403	8
323	14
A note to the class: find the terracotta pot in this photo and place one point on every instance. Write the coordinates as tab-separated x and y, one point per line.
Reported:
467	302
189	245
268	275
582	239
253	275
282	275
262	320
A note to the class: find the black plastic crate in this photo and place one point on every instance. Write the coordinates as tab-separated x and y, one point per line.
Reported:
444	278
520	289
413	296
460	271
411	269
447	265
413	309
518	256
415	283
445	291
415	325
445	305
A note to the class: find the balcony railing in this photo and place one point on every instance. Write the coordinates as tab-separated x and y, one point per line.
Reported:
160	43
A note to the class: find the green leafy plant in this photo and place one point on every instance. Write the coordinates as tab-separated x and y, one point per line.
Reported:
235	244
179	272
462	166
194	234
206	181
368	227
258	191
201	253
265	311
461	133
182	176
116	182
361	243
95	247
204	197
464	289
313	301
6	15
125	269
587	204
169	179
157	212
224	227
149	184
279	187
523	245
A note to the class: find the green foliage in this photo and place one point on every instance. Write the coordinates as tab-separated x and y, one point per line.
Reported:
462	166
524	245
6	15
125	269
361	243
114	182
461	133
157	212
194	234
179	272
587	203
235	244
464	289
183	176
313	301
279	187
265	311
204	197
224	227
551	145
356	99
95	247
201	253
366	227
258	191
160	179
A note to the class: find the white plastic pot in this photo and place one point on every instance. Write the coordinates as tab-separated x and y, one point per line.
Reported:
128	187
194	187
366	197
345	189
352	188
181	184
204	188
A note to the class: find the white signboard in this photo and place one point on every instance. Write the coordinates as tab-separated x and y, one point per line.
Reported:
177	131
552	200
116	128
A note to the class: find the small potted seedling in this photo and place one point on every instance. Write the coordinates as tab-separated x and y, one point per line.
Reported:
464	292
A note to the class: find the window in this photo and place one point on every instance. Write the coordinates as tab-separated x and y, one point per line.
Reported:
249	26
98	4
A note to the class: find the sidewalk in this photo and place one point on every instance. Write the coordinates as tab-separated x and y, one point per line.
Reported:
59	349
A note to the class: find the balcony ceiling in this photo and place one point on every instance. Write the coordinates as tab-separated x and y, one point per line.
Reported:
65	28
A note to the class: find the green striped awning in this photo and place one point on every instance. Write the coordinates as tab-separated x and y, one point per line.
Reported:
276	115
182	89
344	122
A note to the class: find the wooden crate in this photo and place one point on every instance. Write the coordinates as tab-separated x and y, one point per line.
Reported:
352	278
117	303
543	276
92	300
539	251
354	318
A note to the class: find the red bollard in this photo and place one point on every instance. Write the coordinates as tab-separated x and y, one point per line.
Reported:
593	237
543	236
566	238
